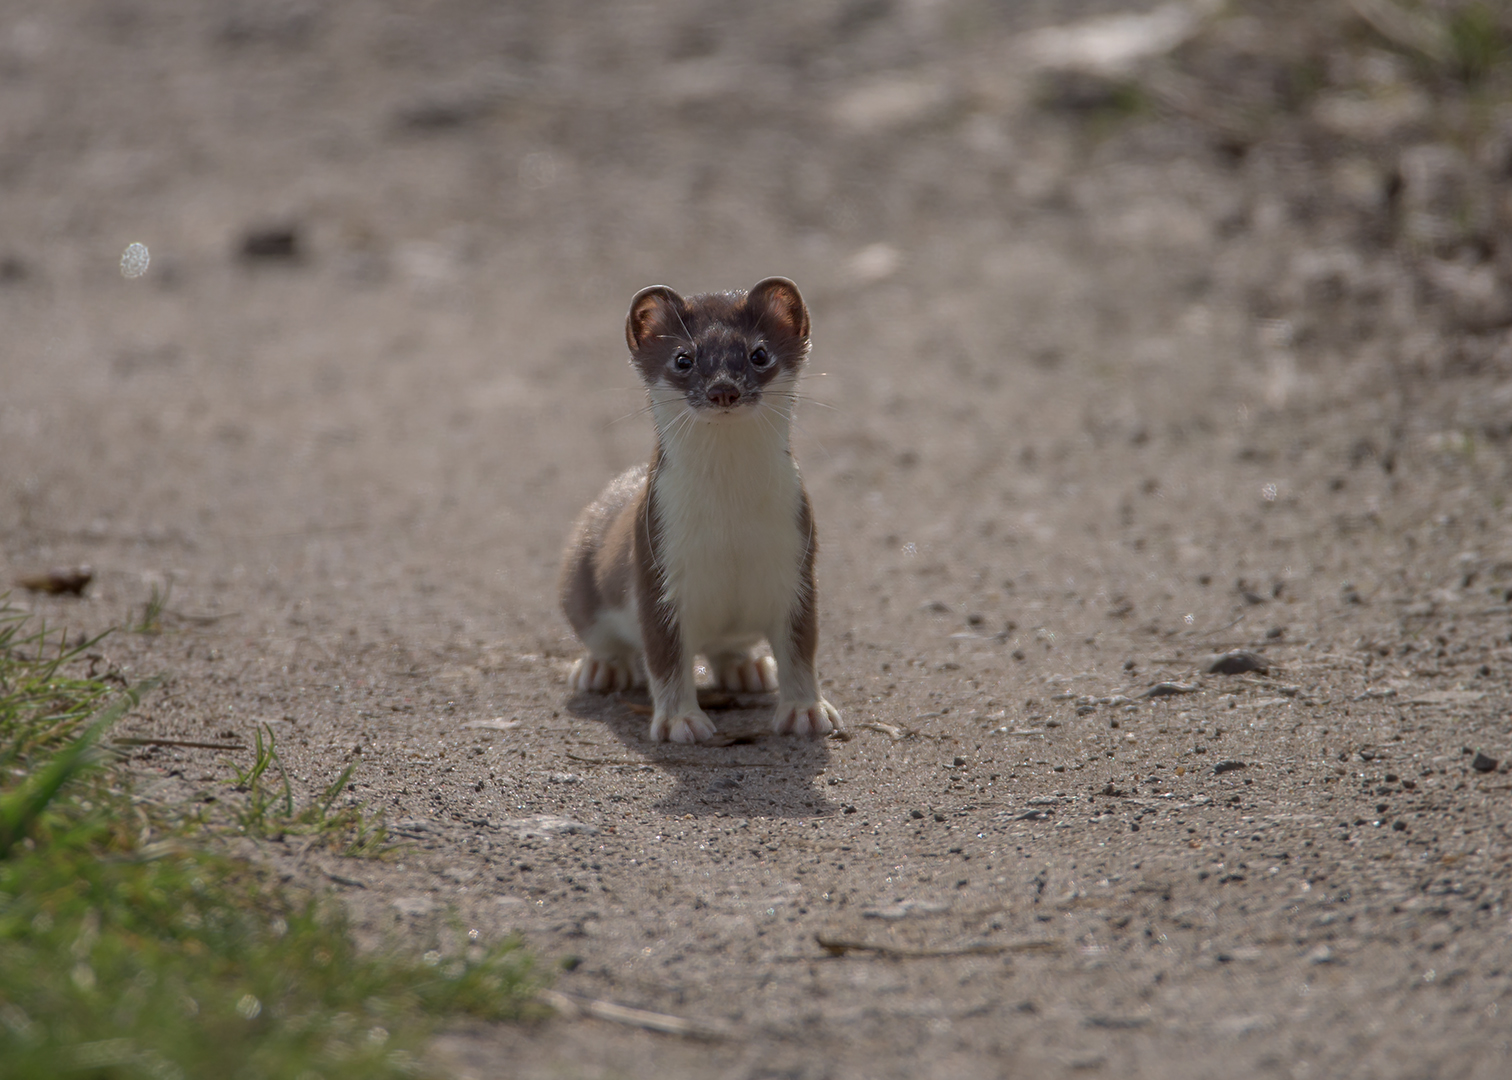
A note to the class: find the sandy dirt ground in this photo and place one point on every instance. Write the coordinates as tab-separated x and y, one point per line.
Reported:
1102	385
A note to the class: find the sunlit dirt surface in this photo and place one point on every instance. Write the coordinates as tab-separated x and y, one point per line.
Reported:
1098	391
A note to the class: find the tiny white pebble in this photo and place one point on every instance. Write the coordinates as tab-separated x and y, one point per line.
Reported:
134	260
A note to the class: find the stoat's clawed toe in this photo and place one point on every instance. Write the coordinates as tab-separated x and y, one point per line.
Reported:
687	727
748	675
589	673
814	719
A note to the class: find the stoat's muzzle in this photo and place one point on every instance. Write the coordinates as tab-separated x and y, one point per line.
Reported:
725	395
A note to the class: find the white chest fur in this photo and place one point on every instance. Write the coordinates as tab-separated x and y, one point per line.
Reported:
727	496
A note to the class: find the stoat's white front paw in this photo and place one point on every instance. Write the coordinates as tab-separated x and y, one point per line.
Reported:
749	675
687	727
600	676
813	718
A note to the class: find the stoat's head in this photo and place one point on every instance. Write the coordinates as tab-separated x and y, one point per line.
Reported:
719	356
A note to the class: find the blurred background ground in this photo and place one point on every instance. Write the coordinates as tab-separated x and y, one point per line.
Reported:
1134	341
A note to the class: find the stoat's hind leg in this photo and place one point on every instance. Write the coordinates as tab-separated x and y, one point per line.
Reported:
604	675
595	590
744	672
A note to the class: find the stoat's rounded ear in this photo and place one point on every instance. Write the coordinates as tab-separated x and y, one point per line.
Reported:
652	309
778	298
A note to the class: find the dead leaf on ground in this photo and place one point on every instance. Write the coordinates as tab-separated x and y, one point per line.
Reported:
59	581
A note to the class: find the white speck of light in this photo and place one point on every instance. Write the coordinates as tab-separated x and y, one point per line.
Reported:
134	260
1268	492
1189	619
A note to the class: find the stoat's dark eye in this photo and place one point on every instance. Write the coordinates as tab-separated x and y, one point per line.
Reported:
760	358
682	360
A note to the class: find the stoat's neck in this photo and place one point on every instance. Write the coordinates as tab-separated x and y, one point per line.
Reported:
725	444
728	499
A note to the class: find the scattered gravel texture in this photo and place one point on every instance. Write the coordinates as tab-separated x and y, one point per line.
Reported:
1111	375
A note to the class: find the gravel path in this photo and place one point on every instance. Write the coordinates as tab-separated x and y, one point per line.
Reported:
1102	387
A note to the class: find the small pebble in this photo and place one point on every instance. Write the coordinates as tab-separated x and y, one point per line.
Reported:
1236	662
270	243
1484	762
135	260
1168	689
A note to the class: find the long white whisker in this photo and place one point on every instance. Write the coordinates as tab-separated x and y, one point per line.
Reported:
681	424
642	411
794	399
801	430
683	325
796	394
793	396
762	413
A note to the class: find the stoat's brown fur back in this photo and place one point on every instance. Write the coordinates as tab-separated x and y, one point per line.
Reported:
709	549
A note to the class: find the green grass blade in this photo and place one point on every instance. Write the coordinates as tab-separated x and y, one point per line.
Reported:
20	809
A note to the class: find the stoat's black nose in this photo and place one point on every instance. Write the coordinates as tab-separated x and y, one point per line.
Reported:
723	395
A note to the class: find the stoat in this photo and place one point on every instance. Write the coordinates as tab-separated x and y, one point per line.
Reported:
710	548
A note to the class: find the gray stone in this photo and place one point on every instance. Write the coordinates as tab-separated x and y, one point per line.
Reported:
1236	662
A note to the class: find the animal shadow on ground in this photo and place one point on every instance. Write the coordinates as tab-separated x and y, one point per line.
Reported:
750	773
